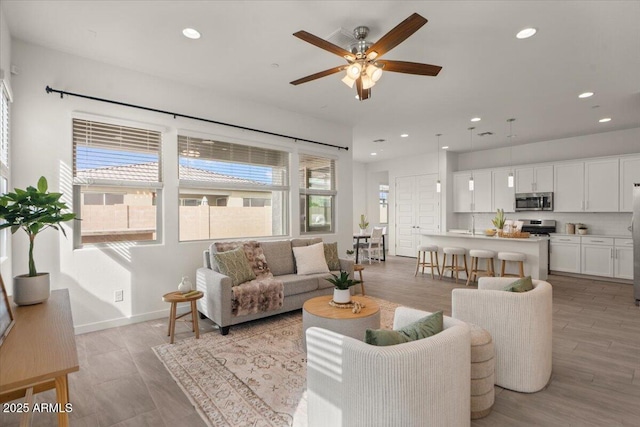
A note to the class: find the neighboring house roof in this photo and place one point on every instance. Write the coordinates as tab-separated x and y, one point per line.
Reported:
148	172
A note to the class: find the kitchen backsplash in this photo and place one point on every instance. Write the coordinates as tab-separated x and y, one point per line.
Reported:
614	223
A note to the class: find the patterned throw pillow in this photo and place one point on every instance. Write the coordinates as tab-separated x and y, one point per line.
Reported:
521	285
331	255
254	253
235	265
423	328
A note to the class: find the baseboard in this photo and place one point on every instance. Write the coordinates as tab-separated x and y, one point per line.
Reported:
588	276
123	321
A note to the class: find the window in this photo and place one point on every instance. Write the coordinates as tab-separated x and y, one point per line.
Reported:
117	182
317	193
5	95
384	204
245	188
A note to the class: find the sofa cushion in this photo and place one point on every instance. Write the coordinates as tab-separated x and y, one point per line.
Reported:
296	243
279	257
521	285
310	259
294	284
422	328
254	253
235	265
331	255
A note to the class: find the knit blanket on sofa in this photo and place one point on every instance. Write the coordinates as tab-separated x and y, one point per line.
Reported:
264	294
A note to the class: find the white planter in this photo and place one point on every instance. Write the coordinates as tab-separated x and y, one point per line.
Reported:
31	290
342	296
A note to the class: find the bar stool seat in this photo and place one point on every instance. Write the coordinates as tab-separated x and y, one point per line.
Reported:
422	258
512	257
477	254
455	252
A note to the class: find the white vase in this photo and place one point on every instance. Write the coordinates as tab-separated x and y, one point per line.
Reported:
342	296
363	231
185	285
31	290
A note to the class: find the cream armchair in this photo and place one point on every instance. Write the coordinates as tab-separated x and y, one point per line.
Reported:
520	325
420	383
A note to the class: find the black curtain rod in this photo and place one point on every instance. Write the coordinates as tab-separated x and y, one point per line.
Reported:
93	98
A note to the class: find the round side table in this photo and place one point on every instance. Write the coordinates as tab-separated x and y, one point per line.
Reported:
175	298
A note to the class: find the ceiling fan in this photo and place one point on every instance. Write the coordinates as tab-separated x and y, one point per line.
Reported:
364	66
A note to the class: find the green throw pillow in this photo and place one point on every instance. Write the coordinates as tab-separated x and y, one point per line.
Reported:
423	328
331	255
234	264
521	285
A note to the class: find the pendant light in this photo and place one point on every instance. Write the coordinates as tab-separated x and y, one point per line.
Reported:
438	183
471	184
510	180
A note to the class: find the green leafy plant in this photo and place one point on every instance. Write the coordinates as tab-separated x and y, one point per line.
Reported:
499	220
363	222
350	251
342	282
33	210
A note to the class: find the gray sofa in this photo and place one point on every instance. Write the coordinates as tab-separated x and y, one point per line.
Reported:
217	301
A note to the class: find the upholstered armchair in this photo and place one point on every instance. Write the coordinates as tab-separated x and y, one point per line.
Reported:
520	325
419	383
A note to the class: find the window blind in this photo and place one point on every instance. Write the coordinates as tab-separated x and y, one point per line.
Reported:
231	164
4	127
107	152
316	173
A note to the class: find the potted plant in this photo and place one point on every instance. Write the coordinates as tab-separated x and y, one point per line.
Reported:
32	210
350	253
498	221
342	283
363	224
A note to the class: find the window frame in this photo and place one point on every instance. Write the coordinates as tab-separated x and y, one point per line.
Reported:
305	192
6	98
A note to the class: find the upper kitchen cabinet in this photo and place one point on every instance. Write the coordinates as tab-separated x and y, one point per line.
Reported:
629	174
601	185
478	200
568	187
534	179
503	195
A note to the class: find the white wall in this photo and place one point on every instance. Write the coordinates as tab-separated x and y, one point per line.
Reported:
5	71
42	146
359	192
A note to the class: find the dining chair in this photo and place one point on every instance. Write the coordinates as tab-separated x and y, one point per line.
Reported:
374	246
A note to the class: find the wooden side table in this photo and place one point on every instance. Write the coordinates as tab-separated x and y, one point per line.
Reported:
357	268
175	298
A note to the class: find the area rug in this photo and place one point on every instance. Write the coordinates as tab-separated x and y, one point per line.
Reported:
255	376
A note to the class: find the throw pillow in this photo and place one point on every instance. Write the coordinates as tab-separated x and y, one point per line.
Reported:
310	259
521	285
331	255
235	265
423	328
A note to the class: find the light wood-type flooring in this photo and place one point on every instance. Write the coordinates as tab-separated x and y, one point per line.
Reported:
595	380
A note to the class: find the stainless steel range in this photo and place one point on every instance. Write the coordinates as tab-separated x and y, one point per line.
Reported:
539	227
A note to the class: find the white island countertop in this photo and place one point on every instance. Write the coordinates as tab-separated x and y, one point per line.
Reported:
530	239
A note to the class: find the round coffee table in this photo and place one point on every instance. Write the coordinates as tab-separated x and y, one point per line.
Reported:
177	297
318	312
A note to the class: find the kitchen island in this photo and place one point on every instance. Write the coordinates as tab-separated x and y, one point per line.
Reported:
536	248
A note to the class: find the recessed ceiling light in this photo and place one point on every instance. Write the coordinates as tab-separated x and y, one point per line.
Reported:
605	120
444	147
404	135
374	154
191	33
526	33
476	119
585	95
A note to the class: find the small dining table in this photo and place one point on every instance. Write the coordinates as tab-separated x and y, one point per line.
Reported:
366	236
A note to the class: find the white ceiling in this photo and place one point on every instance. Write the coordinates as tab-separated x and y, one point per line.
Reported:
580	46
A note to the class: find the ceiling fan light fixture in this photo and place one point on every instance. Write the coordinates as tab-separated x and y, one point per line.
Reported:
354	70
372	55
374	72
367	82
348	80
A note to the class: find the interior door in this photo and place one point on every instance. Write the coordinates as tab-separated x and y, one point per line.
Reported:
405	216
417	211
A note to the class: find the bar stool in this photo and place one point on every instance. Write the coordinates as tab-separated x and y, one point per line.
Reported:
455	253
358	268
475	255
512	257
422	258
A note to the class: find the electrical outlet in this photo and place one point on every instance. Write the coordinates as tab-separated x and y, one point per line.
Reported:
118	295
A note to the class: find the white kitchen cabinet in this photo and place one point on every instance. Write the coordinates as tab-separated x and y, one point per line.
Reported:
597	256
629	174
568	187
601	191
534	179
623	259
503	195
478	200
565	254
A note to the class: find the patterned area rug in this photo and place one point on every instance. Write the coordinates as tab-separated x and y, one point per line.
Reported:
255	376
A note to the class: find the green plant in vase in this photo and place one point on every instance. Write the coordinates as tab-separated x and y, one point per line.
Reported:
498	221
342	283
363	223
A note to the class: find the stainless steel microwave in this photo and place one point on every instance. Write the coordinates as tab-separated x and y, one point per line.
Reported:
534	202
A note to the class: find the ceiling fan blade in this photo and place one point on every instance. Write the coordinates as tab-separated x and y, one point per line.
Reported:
318	75
400	33
362	93
323	44
410	67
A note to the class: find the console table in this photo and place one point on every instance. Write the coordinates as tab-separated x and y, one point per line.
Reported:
40	351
